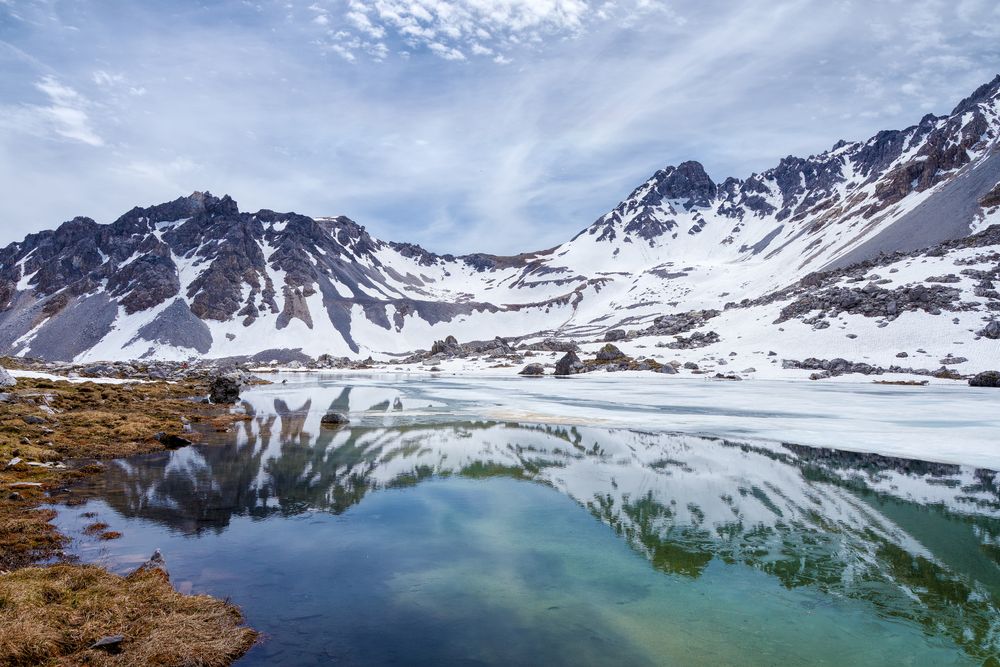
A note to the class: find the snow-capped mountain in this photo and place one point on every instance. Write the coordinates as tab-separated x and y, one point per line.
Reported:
198	277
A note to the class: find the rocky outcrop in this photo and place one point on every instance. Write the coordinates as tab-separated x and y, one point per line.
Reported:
986	379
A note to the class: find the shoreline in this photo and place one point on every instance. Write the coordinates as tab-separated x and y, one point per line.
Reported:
45	426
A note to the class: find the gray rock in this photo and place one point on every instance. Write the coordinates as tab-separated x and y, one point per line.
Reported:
991	331
533	370
334	420
570	364
109	643
224	389
609	353
614	335
6	379
667	369
986	379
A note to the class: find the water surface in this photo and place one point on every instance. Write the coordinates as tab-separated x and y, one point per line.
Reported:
422	535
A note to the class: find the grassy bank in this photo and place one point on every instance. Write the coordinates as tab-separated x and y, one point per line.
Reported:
53	614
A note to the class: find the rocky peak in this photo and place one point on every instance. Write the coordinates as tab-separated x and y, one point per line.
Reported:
688	181
983	94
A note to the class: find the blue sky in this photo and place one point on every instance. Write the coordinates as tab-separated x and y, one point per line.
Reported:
462	125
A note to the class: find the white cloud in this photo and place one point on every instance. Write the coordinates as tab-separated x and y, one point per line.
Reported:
64	116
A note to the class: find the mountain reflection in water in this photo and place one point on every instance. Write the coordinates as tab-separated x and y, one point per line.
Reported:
916	541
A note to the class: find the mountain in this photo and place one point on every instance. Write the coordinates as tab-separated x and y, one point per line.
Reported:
197	277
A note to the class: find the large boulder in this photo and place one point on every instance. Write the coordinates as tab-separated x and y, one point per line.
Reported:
609	353
6	379
224	389
570	364
614	335
986	379
533	370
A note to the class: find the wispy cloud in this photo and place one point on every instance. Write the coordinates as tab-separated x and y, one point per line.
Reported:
64	115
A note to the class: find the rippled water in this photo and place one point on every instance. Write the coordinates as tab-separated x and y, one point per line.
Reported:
423	536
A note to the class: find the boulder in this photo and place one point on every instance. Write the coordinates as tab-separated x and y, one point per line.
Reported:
667	369
986	379
6	379
570	364
533	370
172	440
111	643
614	335
224	389
991	331
334	420
609	353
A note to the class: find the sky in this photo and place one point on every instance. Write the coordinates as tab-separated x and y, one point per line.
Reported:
462	125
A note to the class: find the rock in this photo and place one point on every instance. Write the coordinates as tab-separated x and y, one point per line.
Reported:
822	375
6	379
533	370
749	370
14	495
609	353
334	420
690	365
171	440
902	355
224	389
553	345
695	340
435	369
14	461
991	331
986	379
667	369
728	376
109	643
570	364
32	419
614	335
951	361
155	562
852	336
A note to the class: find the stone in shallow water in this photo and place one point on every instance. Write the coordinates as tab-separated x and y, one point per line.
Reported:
570	364
334	419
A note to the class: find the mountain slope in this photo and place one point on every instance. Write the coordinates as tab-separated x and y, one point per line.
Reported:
198	277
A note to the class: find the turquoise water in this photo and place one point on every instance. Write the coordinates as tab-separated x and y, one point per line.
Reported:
503	543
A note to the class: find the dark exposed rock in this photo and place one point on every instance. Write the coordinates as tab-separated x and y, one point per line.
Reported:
334	419
570	364
669	325
695	340
172	440
553	345
614	335
991	330
986	379
609	353
533	370
224	389
111	643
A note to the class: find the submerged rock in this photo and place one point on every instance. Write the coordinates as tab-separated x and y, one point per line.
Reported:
570	364
986	379
533	370
224	389
334	420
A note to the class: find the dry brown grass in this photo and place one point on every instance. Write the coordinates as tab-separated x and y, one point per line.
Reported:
52	615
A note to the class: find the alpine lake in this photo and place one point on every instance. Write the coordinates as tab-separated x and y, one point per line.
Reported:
428	532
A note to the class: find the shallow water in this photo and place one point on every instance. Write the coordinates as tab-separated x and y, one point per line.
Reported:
421	535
